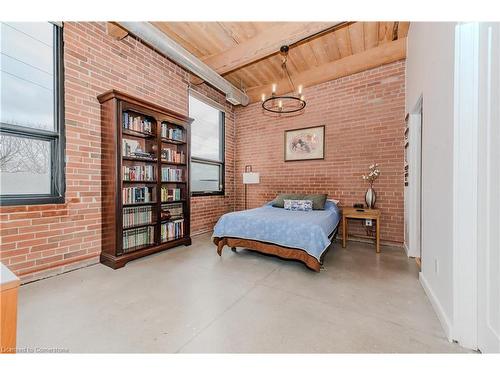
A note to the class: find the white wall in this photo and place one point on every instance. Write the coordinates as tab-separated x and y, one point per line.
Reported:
430	73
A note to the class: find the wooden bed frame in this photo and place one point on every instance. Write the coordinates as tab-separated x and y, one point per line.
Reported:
273	249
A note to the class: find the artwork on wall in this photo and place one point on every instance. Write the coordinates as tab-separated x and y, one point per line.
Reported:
305	144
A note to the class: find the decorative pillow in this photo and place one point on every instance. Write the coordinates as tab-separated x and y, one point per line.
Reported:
279	201
318	200
298	205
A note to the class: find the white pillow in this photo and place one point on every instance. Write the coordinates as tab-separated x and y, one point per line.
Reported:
298	205
334	201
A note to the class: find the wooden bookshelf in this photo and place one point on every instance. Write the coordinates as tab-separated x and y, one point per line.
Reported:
137	137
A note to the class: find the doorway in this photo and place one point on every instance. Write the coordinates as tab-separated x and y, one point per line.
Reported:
413	182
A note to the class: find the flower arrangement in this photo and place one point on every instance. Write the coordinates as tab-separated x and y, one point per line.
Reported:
373	173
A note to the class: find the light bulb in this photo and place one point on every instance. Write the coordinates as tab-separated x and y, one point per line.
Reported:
280	104
300	89
274	88
263	97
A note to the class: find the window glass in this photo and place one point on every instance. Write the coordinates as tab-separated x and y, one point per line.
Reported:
27	74
205	130
24	165
205	177
31	116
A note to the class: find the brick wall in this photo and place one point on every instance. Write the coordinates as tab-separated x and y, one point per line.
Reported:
38	241
364	118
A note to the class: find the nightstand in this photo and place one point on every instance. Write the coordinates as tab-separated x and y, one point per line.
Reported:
360	214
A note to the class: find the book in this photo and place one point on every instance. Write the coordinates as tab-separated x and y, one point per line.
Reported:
133	216
172	131
168	195
172	230
171	174
133	238
138	123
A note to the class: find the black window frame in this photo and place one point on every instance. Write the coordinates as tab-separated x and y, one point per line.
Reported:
56	137
220	163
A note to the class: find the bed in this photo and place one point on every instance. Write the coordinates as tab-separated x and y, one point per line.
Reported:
300	235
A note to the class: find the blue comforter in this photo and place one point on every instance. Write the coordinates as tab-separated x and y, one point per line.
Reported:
308	231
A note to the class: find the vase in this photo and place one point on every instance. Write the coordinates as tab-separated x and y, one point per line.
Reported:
370	197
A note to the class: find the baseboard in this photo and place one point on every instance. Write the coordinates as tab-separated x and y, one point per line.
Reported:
407	251
443	319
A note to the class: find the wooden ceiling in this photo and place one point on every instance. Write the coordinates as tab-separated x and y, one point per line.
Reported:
247	53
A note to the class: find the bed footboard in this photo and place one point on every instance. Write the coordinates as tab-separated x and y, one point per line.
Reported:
268	248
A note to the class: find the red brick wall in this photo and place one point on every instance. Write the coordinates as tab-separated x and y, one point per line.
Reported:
37	241
364	118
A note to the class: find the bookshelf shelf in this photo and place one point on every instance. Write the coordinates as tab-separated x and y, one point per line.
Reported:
139	182
138	134
173	141
173	163
140	226
134	230
143	160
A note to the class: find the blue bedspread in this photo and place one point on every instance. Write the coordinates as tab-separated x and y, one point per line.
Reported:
308	231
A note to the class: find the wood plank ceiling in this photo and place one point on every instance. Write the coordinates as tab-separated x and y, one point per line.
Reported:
247	53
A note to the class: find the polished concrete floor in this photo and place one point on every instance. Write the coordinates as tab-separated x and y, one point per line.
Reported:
190	300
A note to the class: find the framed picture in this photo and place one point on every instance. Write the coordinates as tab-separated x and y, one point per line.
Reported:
305	144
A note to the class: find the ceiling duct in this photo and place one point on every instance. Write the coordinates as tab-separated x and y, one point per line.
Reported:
161	42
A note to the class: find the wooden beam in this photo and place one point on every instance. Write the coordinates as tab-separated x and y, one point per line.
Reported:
370	34
403	29
116	31
264	44
371	58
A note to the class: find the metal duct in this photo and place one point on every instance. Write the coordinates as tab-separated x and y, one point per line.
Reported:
160	41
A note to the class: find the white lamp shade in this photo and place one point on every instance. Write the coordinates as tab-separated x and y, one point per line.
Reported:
251	178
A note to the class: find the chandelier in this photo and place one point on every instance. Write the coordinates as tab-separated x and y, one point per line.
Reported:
289	103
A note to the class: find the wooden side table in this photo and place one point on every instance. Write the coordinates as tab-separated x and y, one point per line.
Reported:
9	283
363	214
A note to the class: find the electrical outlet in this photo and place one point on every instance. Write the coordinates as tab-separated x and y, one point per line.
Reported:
368	222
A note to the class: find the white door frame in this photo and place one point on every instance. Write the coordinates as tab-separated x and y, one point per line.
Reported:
465	184
489	186
415	180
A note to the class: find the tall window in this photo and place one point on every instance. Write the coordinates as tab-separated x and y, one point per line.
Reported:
31	115
207	148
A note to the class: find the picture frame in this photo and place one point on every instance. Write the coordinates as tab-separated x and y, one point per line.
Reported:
305	144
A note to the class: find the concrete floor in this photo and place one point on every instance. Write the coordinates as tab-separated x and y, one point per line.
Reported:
190	300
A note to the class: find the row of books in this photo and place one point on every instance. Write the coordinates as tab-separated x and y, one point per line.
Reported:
168	195
171	132
171	174
172	230
132	148
137	123
137	237
172	211
137	195
133	216
173	156
138	173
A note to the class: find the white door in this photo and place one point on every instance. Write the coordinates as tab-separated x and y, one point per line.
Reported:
488	275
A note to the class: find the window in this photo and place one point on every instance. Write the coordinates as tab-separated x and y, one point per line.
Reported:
31	116
207	148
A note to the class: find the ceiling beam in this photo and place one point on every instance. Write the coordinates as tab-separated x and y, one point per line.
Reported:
265	44
116	31
368	59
